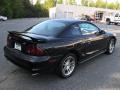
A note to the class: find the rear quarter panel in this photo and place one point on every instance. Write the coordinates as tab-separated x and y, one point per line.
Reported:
60	46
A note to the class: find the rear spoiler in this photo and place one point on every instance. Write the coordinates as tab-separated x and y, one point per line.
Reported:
26	37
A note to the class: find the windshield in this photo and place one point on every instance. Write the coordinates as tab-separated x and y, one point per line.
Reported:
48	28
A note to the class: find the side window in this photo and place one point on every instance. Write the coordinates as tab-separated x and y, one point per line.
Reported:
117	15
87	28
72	31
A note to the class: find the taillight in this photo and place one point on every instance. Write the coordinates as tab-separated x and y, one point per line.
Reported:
34	50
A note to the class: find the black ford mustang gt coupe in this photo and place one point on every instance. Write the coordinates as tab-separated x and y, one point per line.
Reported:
57	44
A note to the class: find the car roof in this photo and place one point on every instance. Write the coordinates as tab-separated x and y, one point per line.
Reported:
70	21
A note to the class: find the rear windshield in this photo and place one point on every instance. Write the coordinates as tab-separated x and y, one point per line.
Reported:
48	28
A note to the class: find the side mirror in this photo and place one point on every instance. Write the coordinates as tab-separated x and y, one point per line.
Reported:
102	32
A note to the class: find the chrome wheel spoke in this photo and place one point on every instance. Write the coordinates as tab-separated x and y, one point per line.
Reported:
64	69
111	46
68	65
68	70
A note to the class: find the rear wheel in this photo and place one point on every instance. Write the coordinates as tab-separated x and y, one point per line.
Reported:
116	23
111	46
67	66
2	20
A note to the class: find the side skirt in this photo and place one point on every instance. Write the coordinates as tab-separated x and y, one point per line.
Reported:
85	60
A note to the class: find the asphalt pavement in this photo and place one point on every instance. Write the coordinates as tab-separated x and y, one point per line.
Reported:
100	73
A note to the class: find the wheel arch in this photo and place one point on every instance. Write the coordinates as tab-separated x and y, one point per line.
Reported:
113	37
76	53
107	49
107	19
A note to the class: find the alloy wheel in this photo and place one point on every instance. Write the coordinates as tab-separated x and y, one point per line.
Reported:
111	46
68	65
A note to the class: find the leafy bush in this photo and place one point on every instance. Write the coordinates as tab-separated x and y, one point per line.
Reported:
22	8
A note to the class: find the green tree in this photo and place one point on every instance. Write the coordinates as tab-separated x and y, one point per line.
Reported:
100	4
59	1
118	6
111	6
18	8
49	3
84	2
41	11
71	2
91	3
5	8
23	8
38	8
29	10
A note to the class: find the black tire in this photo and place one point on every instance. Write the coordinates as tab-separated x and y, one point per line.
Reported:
61	69
116	23
108	22
109	50
2	20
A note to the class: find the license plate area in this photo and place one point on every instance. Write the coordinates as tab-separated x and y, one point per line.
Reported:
17	46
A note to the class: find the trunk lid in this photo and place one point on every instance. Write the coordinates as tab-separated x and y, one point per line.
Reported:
21	41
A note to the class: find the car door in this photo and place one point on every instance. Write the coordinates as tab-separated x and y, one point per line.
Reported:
73	36
119	18
94	41
116	18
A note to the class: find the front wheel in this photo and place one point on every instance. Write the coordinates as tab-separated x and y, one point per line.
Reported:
108	22
111	46
67	66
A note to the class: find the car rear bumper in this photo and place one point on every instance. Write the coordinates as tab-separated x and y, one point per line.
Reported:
31	63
